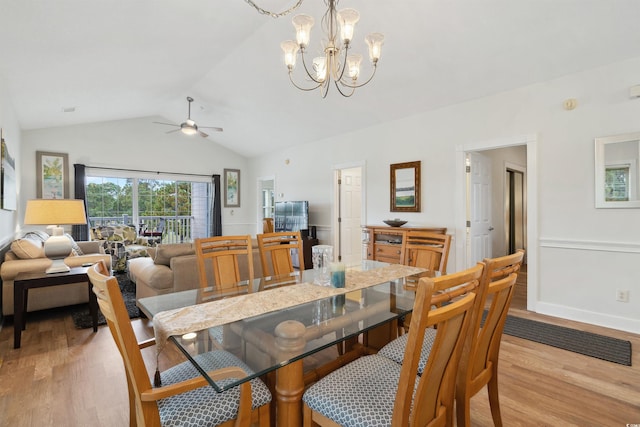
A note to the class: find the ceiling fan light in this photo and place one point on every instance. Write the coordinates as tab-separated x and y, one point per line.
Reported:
188	129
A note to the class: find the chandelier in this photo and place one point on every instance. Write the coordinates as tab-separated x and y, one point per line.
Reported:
337	65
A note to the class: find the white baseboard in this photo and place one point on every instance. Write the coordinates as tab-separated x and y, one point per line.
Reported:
600	319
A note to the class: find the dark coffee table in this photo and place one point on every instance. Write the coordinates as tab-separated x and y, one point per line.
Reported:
25	281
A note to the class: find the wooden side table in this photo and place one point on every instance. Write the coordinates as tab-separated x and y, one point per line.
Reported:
25	281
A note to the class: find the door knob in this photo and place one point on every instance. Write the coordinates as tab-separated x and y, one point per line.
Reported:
490	228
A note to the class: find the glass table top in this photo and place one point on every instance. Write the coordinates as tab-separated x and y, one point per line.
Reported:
274	339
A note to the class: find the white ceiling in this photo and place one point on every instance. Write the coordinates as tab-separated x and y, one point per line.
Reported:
120	59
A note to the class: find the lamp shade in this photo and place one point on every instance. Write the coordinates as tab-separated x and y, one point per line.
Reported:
303	24
55	212
347	19
374	40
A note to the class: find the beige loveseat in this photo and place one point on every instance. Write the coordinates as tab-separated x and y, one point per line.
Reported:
27	255
172	267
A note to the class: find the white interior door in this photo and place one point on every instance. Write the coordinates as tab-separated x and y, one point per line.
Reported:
479	200
349	217
266	200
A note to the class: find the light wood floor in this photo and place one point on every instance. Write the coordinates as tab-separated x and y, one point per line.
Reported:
64	376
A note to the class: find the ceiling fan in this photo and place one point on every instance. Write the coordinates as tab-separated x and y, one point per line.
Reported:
189	127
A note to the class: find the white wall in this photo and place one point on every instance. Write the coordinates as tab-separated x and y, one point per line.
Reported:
141	145
572	234
11	129
584	254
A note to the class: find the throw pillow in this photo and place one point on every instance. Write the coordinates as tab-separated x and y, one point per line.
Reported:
27	249
74	246
165	252
36	235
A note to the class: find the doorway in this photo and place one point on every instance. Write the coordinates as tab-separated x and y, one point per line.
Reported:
515	196
528	208
266	200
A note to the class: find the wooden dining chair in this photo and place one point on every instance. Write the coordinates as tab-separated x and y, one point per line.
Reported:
185	398
479	363
267	225
376	388
276	252
427	250
221	260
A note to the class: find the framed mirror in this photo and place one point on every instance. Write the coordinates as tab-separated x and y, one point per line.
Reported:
405	187
616	171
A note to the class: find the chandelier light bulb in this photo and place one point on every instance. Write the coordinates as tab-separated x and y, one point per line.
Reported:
320	67
374	40
347	18
353	65
303	25
290	49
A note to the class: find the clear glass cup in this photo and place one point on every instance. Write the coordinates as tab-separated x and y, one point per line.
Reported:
322	256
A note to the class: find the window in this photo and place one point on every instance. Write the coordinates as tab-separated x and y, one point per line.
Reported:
616	183
180	204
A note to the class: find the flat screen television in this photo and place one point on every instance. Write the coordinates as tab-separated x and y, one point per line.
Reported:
291	216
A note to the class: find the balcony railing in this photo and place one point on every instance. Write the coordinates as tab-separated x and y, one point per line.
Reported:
177	229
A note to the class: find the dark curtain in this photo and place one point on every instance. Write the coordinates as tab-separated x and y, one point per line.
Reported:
216	209
80	232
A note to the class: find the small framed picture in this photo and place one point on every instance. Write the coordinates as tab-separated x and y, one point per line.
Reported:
8	195
232	188
405	187
53	175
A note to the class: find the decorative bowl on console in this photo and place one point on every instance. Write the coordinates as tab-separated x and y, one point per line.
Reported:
394	222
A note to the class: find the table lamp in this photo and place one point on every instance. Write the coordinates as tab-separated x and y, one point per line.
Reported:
56	212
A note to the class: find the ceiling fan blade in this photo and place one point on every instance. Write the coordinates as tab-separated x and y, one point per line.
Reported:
172	131
162	123
216	129
202	134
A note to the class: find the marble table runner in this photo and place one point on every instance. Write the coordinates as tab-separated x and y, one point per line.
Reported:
220	312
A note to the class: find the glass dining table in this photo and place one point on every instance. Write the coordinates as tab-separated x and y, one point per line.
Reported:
274	323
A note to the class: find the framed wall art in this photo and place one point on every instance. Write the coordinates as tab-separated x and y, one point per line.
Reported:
617	161
405	187
8	197
232	188
53	175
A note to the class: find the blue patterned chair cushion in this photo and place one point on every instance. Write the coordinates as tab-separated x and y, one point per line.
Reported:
204	406
360	394
395	349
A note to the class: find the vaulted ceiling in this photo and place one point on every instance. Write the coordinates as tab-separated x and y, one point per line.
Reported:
120	59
